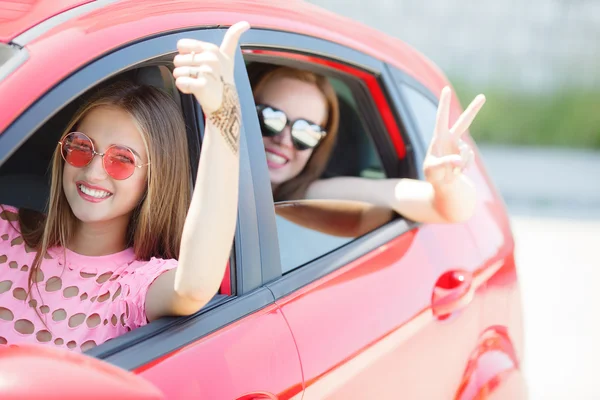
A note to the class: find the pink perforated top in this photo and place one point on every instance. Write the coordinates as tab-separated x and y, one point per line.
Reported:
83	301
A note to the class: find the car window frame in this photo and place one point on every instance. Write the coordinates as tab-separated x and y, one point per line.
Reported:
166	335
395	78
282	285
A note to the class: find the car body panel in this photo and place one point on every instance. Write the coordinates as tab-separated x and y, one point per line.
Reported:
369	330
255	354
17	17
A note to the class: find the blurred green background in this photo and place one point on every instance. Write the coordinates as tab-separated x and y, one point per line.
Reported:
564	117
537	61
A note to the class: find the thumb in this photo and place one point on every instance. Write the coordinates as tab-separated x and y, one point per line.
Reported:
232	37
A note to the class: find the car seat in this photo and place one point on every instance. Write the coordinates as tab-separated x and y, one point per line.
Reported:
353	154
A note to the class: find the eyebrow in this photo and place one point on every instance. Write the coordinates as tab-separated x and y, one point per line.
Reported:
127	147
112	144
130	148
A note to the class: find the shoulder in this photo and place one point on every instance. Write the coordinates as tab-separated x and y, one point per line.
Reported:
9	220
137	282
152	266
141	274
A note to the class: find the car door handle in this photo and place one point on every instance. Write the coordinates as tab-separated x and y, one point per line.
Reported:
453	291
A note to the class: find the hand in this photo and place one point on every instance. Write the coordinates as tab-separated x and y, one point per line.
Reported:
203	68
448	155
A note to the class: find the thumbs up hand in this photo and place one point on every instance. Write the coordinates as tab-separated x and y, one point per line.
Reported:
203	69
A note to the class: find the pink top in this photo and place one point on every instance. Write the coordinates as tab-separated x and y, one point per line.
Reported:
83	302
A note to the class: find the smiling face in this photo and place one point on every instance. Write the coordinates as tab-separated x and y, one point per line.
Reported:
298	100
93	195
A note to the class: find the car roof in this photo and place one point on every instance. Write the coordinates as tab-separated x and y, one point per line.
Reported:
18	17
291	15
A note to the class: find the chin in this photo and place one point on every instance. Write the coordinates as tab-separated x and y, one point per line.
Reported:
87	215
276	177
88	212
281	176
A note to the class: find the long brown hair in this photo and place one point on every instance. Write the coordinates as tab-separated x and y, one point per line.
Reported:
157	222
296	187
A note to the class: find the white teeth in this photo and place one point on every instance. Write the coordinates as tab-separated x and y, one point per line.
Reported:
99	194
276	158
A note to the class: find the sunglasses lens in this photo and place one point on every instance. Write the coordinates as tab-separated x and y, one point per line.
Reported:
272	122
306	135
119	162
77	149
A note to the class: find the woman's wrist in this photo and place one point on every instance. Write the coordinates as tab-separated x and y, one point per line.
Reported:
227	119
455	200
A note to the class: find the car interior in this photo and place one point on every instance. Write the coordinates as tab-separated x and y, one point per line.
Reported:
354	153
25	176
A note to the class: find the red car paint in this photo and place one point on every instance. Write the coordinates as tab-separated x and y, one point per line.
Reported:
454	331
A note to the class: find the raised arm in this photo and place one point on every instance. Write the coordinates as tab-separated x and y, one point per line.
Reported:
446	196
206	71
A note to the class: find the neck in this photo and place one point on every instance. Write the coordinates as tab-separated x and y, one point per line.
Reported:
274	186
100	238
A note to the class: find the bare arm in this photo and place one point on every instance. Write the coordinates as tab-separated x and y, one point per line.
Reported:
413	199
446	196
335	217
210	224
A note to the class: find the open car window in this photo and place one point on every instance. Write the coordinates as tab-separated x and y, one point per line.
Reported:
25	175
308	230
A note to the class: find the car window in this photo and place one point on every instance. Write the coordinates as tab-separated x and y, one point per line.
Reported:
353	143
25	176
424	110
307	244
308	231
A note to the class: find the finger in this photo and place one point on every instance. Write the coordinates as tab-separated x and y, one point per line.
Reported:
208	92
467	117
186	46
466	154
443	169
190	85
443	113
190	71
206	57
232	37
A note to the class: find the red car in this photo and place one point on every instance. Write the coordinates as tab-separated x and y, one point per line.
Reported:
405	310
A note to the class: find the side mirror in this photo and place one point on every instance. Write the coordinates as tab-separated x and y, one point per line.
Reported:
335	217
36	372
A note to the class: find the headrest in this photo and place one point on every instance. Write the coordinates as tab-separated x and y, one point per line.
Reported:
160	77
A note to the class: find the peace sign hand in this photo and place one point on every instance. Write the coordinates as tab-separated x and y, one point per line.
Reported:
203	69
448	155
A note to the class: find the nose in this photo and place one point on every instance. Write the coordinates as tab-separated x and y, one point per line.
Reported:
94	171
284	139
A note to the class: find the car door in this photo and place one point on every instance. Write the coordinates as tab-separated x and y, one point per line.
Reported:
387	314
239	346
495	363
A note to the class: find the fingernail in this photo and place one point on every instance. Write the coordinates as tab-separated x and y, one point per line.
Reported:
456	171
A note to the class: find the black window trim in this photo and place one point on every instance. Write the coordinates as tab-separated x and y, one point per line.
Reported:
148	343
282	285
393	77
